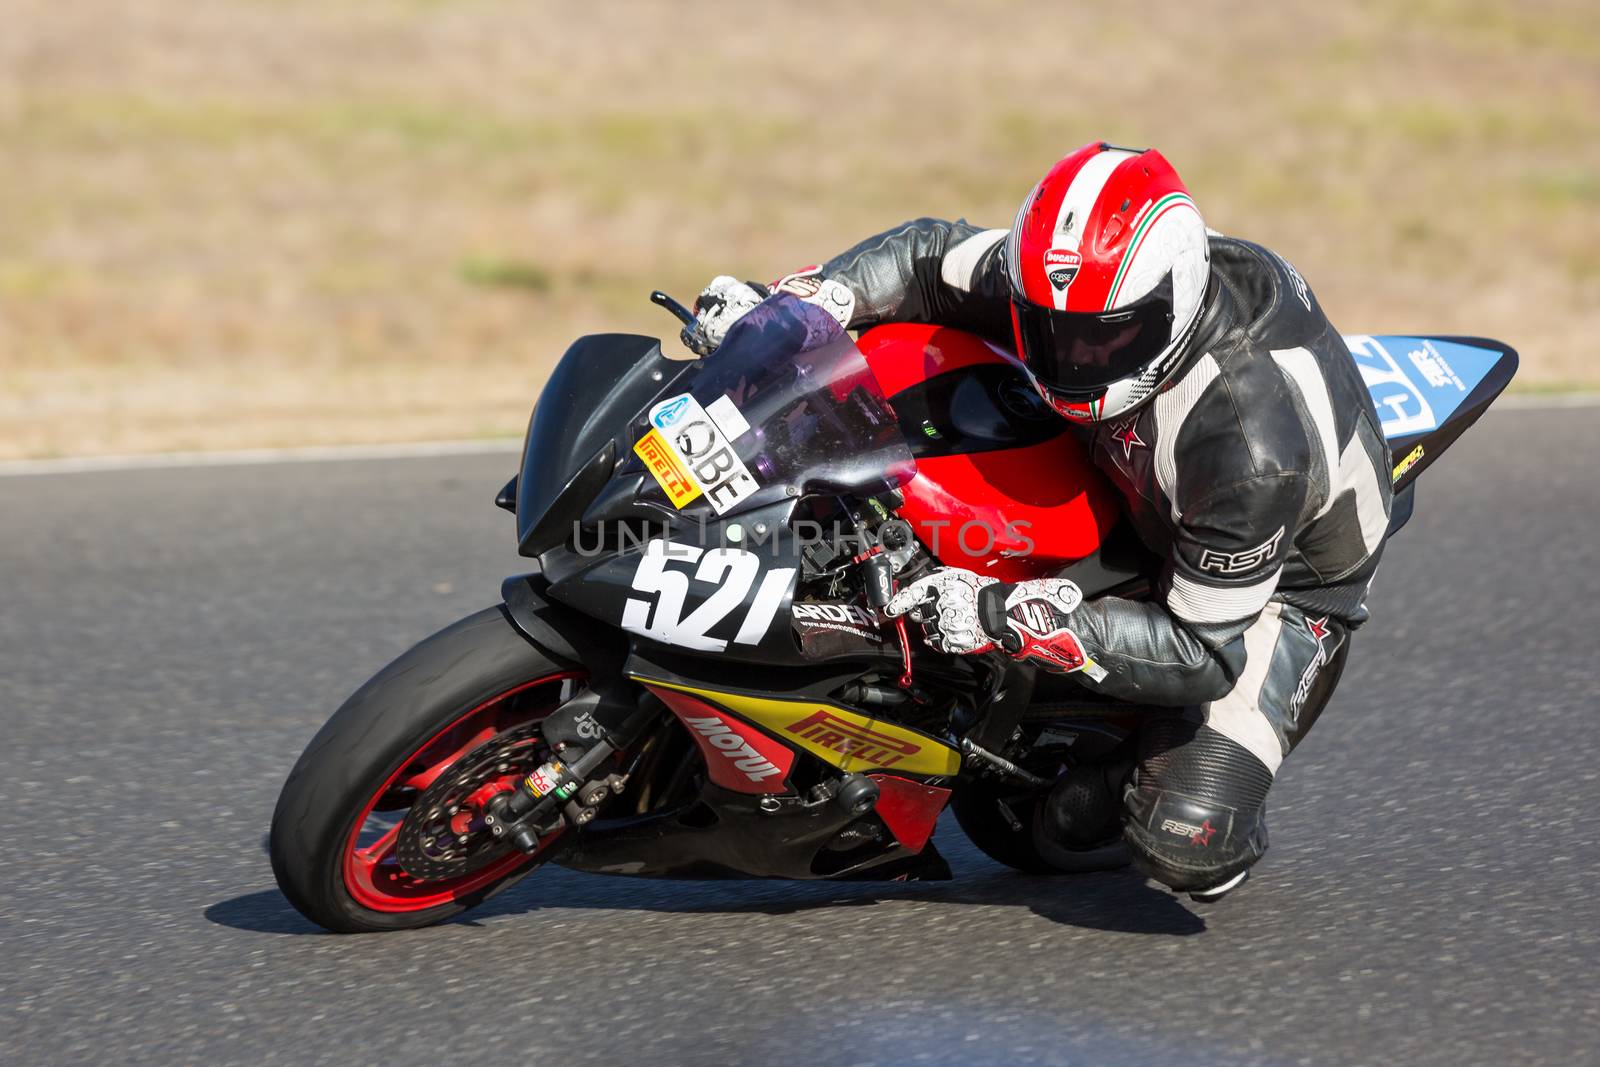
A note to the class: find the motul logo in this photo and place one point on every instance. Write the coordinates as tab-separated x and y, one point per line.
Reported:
846	738
752	764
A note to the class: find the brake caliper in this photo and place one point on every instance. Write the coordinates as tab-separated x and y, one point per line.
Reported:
519	815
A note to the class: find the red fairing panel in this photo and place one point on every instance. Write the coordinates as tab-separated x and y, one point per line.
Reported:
909	809
902	354
738	756
1010	514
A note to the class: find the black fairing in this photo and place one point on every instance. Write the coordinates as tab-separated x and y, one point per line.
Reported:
730	835
1120	564
555	523
602	585
602	382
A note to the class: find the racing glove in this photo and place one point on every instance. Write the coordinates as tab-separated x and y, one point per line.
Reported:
965	613
946	604
717	308
809	285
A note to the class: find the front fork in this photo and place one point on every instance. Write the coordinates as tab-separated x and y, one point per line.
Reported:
523	815
583	735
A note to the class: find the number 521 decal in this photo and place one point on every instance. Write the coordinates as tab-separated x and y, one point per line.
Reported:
732	570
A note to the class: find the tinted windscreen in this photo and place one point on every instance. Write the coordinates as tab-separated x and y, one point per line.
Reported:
793	398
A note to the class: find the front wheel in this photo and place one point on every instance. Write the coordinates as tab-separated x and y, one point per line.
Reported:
379	826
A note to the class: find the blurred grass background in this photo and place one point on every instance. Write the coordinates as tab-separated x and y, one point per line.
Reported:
260	222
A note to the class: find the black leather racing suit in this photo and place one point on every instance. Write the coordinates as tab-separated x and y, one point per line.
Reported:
1259	474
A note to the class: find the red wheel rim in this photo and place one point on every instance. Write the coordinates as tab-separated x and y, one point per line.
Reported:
372	874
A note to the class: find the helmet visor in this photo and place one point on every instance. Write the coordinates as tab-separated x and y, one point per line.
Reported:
1085	351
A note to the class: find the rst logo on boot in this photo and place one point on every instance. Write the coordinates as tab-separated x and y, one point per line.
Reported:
1200	835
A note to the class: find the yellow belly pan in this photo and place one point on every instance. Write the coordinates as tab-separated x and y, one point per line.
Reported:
847	739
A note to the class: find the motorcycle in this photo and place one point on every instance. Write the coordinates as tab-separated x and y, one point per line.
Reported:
697	679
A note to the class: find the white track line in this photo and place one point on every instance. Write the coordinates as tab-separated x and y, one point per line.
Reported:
259	456
489	446
1538	401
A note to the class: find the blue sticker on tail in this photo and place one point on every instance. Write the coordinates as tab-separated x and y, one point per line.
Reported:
1417	382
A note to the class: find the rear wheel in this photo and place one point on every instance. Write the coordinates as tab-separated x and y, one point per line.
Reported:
379	826
1026	830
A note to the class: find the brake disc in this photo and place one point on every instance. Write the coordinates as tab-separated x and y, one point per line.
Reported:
443	835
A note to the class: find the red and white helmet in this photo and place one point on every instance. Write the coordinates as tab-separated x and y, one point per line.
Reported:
1108	262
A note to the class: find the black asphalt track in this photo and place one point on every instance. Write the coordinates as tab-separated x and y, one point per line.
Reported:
170	639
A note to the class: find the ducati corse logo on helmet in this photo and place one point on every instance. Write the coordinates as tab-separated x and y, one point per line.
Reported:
1061	266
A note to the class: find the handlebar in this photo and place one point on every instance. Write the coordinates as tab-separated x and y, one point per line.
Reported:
690	334
684	314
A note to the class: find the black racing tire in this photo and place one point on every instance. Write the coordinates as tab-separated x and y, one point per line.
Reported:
405	712
977	809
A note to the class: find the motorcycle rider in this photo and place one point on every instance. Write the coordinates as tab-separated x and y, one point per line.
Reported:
1215	395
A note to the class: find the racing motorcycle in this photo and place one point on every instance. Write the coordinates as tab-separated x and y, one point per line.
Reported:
697	680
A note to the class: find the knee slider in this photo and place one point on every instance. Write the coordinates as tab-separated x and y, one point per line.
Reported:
1186	844
1195	815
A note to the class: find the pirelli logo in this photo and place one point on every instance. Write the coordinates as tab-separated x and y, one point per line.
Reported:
841	736
851	739
669	471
